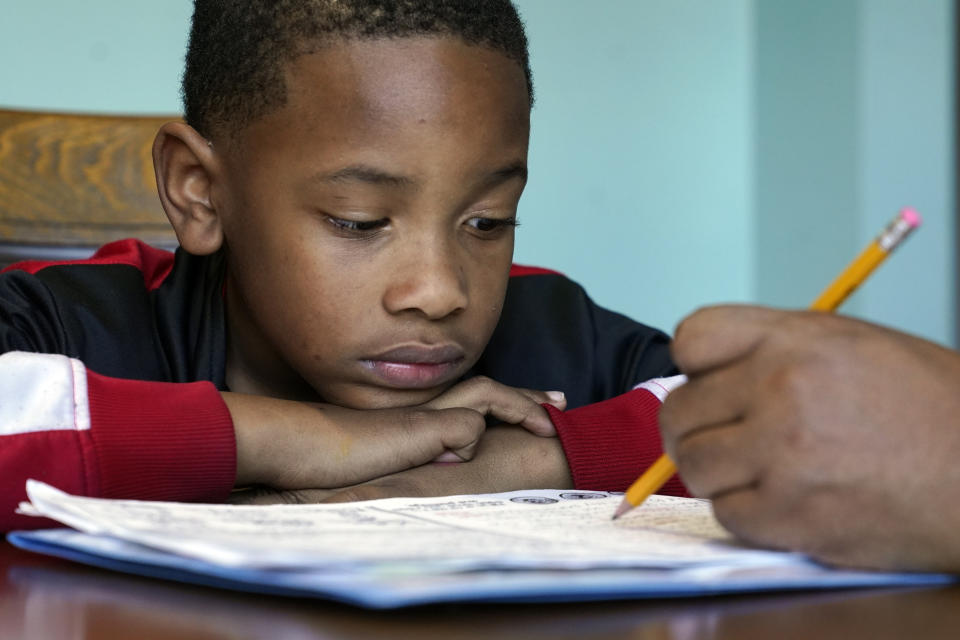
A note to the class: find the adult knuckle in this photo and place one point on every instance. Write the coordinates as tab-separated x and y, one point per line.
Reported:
668	415
689	336
692	321
694	462
687	453
675	418
790	380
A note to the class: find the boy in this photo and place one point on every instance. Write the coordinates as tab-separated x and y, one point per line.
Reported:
343	308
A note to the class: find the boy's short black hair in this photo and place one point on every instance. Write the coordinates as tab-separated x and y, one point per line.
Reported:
237	48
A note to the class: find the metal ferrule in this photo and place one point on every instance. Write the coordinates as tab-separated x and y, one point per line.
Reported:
894	234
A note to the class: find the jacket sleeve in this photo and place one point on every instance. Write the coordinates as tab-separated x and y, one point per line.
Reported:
608	444
552	335
99	436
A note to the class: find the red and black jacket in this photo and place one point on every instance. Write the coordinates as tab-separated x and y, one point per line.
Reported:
127	402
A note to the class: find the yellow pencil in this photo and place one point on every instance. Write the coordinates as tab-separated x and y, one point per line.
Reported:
838	291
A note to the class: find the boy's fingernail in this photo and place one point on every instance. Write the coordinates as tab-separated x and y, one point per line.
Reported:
556	396
448	457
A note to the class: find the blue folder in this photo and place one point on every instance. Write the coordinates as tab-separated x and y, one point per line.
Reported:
394	589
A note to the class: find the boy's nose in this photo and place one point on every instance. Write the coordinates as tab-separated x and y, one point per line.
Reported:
431	281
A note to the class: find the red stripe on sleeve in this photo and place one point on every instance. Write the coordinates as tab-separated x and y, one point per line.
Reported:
155	264
609	444
517	270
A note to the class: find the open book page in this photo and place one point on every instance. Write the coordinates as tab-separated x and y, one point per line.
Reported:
523	529
519	546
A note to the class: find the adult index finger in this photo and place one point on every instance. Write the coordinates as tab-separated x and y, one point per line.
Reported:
712	337
714	398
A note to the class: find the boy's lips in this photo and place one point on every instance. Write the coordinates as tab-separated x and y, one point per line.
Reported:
416	366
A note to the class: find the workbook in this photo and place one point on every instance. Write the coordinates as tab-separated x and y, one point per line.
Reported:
544	545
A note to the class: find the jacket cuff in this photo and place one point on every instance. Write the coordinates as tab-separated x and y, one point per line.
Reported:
159	440
609	444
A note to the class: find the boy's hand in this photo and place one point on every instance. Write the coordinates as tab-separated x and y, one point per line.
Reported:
506	459
293	445
511	405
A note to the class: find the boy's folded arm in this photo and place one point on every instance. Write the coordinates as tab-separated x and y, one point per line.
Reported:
605	446
288	444
94	435
295	445
508	458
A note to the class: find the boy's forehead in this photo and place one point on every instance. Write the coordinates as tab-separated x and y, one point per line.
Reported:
402	64
361	91
393	79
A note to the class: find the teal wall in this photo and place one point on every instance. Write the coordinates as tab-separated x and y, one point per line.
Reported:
807	142
855	119
119	56
641	181
906	116
683	151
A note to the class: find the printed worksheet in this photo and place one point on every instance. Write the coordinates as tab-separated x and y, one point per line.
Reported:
523	529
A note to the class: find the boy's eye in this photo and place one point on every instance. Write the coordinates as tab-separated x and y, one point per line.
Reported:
357	227
489	225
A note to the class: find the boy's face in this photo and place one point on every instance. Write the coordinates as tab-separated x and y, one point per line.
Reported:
368	221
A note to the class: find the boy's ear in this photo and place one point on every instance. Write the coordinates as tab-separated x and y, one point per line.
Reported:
185	165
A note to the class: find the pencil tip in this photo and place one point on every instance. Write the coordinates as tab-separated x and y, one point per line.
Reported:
622	508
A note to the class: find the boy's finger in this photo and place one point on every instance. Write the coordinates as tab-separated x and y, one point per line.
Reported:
448	456
508	404
430	434
556	399
522	407
463	454
537	421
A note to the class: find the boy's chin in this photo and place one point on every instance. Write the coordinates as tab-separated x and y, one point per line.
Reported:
386	398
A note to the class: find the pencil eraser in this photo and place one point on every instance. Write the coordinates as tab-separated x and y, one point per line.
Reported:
911	217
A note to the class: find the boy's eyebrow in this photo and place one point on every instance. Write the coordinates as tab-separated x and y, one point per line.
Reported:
372	175
516	170
365	173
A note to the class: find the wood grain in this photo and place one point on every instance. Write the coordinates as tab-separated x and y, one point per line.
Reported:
42	598
79	180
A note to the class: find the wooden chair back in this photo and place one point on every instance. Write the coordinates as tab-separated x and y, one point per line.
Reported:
71	182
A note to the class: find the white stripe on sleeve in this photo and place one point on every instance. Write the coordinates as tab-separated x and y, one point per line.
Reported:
42	392
661	387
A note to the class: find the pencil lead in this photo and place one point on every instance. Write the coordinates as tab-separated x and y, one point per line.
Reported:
622	508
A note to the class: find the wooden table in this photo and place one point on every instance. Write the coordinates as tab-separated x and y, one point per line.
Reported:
44	598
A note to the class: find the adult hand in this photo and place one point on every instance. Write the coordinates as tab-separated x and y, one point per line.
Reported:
822	434
506	459
294	445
